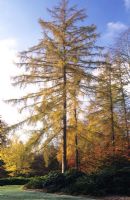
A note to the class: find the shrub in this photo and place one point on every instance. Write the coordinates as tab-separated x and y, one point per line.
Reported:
14	181
113	182
35	183
51	182
72	175
54	181
83	185
107	181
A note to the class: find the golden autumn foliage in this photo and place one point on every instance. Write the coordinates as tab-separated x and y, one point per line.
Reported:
16	160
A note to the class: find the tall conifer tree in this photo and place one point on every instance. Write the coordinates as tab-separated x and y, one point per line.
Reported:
67	49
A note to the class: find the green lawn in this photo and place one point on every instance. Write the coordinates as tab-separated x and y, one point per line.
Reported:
16	193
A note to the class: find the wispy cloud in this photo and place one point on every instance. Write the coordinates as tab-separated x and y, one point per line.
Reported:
116	26
8	51
113	29
7	57
127	4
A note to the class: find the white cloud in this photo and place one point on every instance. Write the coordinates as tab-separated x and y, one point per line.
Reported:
113	29
116	26
127	4
8	55
7	69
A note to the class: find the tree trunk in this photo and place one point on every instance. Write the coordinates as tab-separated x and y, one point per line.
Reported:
76	144
111	112
124	108
64	160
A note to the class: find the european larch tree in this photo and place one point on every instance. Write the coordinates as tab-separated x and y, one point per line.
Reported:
121	56
67	49
122	103
101	116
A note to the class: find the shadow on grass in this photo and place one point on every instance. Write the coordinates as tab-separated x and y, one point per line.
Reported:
16	193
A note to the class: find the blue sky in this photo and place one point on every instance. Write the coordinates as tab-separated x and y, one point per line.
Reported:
18	18
19	29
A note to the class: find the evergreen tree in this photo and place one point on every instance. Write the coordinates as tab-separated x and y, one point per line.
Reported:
121	61
122	102
3	133
66	50
102	115
3	172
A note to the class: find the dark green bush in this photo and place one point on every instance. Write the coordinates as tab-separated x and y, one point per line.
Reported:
51	182
35	183
108	181
113	177
14	181
72	175
54	181
83	185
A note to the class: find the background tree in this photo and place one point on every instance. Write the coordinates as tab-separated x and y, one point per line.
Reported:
121	61
38	166
122	103
3	133
4	140
16	159
3	172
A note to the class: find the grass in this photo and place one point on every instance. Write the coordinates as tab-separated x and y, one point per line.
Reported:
16	193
